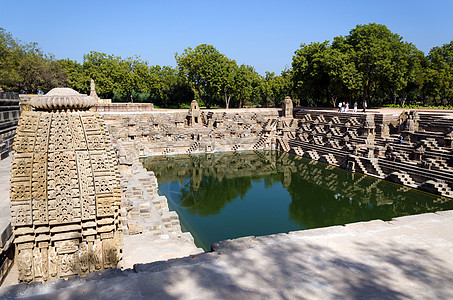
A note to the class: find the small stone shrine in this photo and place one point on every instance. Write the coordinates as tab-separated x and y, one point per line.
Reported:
65	195
194	115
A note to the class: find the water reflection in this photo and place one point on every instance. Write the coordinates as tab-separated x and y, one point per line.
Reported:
228	195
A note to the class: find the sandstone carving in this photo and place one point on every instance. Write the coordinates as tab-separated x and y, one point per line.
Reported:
65	205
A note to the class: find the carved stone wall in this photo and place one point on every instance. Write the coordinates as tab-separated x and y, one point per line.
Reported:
9	116
65	196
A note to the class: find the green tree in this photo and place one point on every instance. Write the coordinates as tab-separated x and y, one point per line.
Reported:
274	88
25	68
381	58
207	72
246	83
10	54
309	76
77	77
439	74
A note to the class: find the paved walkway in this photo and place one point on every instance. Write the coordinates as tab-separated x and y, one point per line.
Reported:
406	258
5	217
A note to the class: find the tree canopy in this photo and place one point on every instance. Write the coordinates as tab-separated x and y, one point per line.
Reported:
370	63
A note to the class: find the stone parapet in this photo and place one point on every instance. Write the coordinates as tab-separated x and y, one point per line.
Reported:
123	107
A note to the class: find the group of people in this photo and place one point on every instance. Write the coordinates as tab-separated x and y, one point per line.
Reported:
344	106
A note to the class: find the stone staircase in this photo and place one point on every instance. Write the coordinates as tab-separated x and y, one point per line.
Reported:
143	210
171	221
312	154
378	171
335	144
329	158
284	144
402	178
193	147
298	151
360	165
235	147
261	143
335	131
430	143
439	187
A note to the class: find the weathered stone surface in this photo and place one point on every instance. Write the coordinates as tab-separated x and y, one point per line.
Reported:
63	186
386	260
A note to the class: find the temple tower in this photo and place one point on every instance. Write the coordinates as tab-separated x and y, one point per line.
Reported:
65	196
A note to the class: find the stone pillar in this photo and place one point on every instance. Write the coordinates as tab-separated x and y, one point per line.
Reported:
65	196
93	91
287	107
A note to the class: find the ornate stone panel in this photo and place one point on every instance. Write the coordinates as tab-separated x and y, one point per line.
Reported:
78	134
21	213
64	205
60	133
64	190
87	199
39	189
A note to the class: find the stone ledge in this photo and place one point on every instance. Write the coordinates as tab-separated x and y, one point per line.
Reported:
243	249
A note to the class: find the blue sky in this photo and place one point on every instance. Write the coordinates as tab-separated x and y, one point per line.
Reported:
263	33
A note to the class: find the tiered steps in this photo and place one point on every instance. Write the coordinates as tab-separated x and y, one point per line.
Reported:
193	147
330	159
439	187
402	178
298	151
312	154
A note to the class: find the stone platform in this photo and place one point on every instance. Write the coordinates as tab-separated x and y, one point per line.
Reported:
406	258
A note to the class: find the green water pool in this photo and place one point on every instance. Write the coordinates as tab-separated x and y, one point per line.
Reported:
228	195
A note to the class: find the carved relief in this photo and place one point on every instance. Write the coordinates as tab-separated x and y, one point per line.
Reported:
60	133
28	122
96	260
110	253
103	185
68	257
95	142
25	264
24	142
78	135
63	204
39	189
53	263
90	123
62	175
21	213
37	263
87	199
104	205
42	134
21	166
83	257
100	161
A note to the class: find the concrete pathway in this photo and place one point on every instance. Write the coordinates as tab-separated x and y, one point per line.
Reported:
406	258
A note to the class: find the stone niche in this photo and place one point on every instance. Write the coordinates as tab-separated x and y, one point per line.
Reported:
65	195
